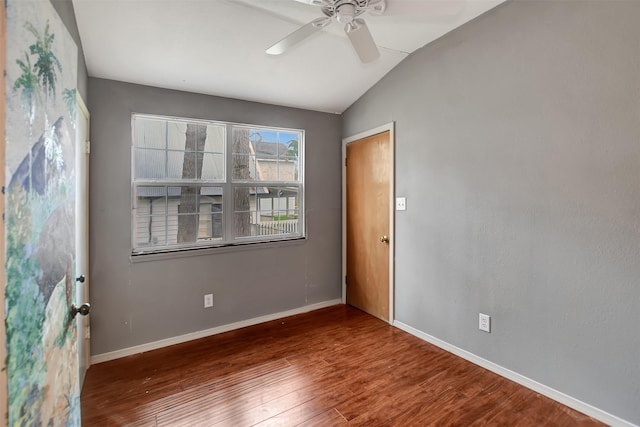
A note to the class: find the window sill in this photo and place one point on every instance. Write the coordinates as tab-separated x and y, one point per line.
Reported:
193	252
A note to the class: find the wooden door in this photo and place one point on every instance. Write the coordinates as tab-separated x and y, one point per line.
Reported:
368	167
82	233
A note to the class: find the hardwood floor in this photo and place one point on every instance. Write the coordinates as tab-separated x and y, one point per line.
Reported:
332	367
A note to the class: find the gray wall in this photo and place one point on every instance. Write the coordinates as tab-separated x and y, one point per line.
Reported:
518	149
67	14
141	302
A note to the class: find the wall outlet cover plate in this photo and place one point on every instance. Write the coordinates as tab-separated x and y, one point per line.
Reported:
208	301
484	322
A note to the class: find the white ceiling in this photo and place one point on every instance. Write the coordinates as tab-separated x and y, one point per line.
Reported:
217	47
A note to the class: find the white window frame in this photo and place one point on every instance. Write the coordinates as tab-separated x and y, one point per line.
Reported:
228	185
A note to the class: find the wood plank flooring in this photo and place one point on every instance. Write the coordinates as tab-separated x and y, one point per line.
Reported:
332	367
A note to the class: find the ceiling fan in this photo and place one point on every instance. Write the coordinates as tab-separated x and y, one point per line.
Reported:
345	12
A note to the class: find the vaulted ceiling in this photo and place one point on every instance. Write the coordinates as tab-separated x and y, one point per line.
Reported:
217	47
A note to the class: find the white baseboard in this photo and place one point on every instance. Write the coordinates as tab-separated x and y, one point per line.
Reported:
104	357
554	394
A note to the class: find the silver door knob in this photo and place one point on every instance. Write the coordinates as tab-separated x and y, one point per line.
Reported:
384	239
84	309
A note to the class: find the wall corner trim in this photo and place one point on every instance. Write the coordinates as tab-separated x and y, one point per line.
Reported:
547	391
117	354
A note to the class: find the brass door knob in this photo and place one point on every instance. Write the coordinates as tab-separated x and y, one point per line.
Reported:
384	239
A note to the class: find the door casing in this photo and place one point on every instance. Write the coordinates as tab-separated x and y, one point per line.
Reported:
380	129
82	236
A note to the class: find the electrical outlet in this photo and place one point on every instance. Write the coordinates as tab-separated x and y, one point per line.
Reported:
208	300
485	323
401	203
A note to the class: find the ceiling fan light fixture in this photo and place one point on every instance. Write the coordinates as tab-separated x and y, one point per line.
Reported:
345	13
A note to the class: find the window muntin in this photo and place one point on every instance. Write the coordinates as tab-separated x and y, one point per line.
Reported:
194	184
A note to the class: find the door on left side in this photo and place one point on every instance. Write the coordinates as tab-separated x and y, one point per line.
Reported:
43	385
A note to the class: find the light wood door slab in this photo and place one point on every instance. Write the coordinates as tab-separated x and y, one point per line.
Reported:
368	170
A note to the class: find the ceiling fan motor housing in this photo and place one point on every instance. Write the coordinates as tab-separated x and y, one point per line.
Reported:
345	10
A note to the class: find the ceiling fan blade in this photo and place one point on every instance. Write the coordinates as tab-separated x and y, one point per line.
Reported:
362	41
315	2
377	7
419	9
298	35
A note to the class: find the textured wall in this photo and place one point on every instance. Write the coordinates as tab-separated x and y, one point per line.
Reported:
518	149
141	302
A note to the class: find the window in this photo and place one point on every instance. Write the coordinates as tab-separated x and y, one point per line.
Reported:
203	183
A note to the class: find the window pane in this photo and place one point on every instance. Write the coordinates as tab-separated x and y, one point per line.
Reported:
176	161
288	169
150	215
213	167
216	221
289	164
176	137
210	222
267	167
266	211
187	228
149	133
204	221
245	202
215	142
150	164
265	155
195	220
150	201
244	226
283	217
172	229
150	231
210	218
268	227
186	199
244	167
189	165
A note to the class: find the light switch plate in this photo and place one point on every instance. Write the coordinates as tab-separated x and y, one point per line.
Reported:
401	203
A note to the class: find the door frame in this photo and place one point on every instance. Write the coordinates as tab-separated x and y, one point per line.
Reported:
83	322
390	127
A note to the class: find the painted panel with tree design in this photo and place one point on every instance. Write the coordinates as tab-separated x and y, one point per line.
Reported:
42	364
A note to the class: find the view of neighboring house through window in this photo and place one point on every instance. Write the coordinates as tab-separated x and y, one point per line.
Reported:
203	183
